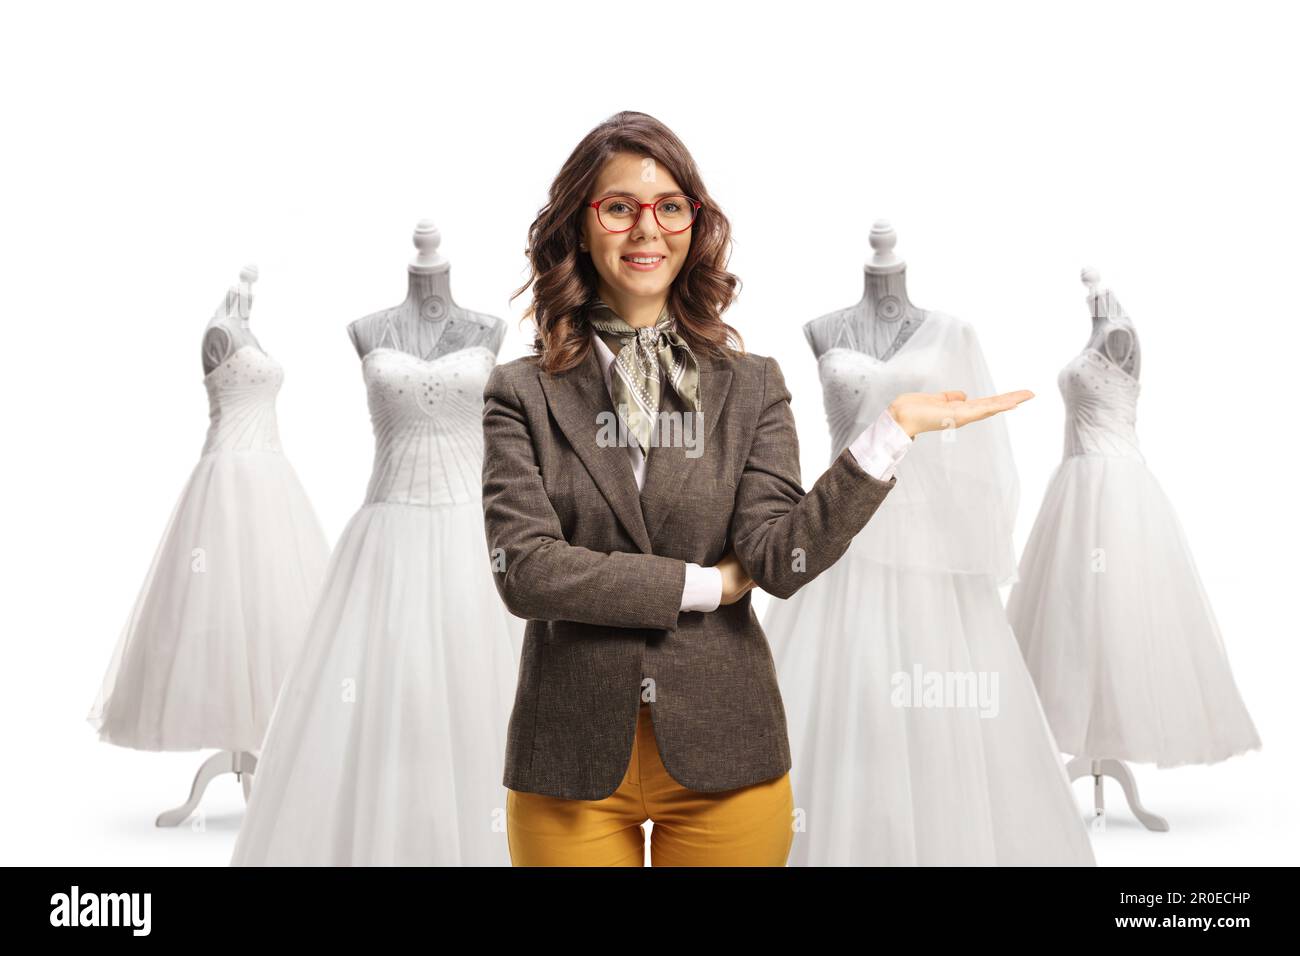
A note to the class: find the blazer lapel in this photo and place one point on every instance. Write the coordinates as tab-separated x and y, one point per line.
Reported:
576	399
668	467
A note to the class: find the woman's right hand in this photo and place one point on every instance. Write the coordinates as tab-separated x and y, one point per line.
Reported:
735	579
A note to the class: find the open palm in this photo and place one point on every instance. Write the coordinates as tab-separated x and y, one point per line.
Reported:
918	412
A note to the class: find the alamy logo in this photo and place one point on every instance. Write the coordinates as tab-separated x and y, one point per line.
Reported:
668	429
975	690
101	909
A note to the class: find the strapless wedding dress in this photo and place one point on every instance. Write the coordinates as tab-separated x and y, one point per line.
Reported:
1109	609
219	618
387	745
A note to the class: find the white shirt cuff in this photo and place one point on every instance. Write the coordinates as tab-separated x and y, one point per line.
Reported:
881	446
703	588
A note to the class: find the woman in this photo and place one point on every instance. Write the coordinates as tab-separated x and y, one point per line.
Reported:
646	687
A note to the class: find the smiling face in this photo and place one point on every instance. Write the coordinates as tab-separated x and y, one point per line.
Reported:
636	268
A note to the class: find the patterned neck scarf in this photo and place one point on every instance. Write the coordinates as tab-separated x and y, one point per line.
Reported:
645	358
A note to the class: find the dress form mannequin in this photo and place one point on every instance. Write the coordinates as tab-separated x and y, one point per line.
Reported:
916	594
228	330
884	319
428	324
1112	330
409	770
1114	336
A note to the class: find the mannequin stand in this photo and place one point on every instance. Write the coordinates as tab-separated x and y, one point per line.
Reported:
1117	769
241	764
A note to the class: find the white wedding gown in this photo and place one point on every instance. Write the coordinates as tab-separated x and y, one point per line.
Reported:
1109	609
219	618
888	770
388	741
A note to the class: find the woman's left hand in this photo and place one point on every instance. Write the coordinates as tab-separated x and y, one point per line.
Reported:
918	412
735	579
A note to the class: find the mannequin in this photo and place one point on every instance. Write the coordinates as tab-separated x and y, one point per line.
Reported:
914	599
1114	336
408	772
1112	330
884	319
228	329
227	332
428	324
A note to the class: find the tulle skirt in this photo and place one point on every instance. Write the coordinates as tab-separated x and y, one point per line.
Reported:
220	616
915	733
1116	628
388	742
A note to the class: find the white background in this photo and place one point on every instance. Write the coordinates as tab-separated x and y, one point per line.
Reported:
152	150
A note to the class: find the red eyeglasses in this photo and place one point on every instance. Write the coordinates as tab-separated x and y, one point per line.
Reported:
672	213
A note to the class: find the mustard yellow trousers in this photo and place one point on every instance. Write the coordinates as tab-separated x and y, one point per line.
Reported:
749	826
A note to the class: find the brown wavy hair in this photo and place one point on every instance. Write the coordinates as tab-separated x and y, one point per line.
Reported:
564	279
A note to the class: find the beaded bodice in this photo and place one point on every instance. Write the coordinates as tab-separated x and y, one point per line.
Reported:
1100	407
241	403
427	416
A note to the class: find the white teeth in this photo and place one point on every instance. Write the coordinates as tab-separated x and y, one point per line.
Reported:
643	260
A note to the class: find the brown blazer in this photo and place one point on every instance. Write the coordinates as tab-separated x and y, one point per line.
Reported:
597	570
